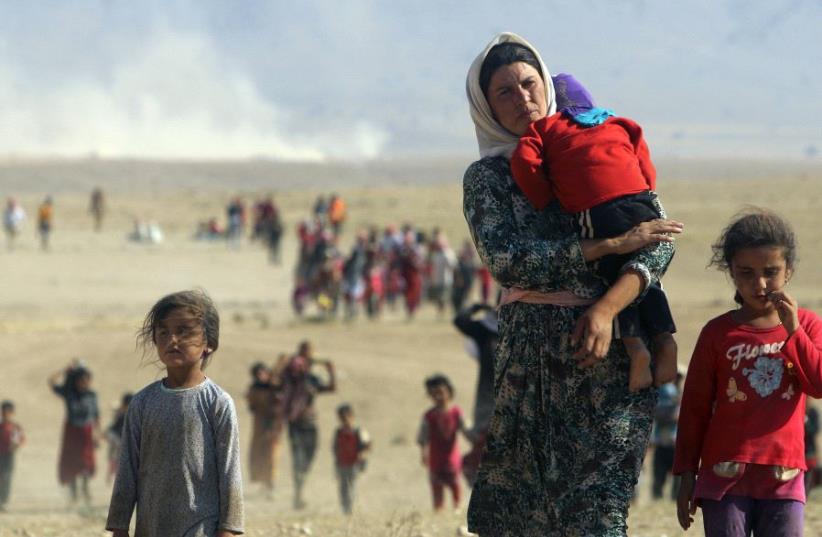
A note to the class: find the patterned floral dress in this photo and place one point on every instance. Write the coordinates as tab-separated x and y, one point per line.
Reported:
565	444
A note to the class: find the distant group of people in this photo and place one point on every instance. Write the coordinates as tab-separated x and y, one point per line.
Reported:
383	268
14	218
265	218
331	211
281	398
265	222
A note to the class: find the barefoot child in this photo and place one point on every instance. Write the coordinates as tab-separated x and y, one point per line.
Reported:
351	443
739	445
81	430
601	171
438	440
11	438
180	462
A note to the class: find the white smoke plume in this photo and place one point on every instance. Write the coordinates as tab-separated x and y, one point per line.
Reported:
175	97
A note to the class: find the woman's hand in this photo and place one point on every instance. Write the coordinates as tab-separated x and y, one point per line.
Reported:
685	502
650	232
593	333
787	309
594	329
639	236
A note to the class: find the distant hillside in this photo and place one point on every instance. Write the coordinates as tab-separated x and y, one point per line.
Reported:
56	176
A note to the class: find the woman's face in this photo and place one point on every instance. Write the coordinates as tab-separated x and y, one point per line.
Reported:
516	94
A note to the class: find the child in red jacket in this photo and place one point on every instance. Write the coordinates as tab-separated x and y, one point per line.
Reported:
601	171
351	443
740	440
438	440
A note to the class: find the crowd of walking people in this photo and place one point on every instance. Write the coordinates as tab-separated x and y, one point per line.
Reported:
263	223
15	217
395	267
383	269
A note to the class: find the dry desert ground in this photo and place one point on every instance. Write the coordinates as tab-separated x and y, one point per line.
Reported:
85	298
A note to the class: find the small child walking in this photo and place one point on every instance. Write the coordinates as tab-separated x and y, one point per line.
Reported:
180	459
81	431
438	440
740	440
351	443
45	221
11	439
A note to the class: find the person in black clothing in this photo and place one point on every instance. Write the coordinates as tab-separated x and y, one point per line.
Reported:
464	276
353	272
483	334
663	437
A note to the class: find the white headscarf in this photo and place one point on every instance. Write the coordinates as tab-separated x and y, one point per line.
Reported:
494	139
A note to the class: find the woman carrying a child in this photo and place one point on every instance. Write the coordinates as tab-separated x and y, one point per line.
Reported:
567	438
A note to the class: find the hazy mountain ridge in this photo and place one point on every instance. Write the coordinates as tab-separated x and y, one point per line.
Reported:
60	176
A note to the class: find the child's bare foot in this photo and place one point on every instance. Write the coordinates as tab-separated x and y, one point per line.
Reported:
664	359
640	375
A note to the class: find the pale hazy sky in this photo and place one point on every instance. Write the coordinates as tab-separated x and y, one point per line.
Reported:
362	79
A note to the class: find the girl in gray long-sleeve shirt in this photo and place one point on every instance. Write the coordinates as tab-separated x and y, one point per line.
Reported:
180	462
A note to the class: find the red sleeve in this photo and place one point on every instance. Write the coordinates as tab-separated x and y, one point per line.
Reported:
643	154
527	166
803	351
697	405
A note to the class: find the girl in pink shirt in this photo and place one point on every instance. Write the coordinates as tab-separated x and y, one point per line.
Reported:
438	440
740	440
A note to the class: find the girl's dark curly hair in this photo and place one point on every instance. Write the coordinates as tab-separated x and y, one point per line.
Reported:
754	227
